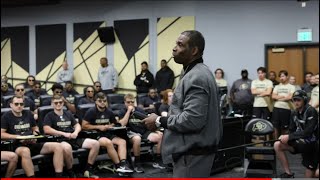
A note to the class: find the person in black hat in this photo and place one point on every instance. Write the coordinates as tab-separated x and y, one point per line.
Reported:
302	138
241	97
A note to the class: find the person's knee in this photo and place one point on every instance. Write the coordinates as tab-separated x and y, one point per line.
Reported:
136	140
12	157
106	142
67	148
24	152
277	146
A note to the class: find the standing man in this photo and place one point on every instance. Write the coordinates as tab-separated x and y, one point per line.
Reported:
282	94
144	80
193	128
65	74
307	86
164	77
273	77
302	138
240	94
108	77
261	88
314	101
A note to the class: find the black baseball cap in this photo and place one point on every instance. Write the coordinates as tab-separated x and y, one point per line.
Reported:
244	71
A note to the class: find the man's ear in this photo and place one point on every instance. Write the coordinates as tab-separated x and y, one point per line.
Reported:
195	51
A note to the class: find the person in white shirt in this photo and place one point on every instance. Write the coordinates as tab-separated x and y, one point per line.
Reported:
292	81
261	89
65	74
282	95
314	100
219	75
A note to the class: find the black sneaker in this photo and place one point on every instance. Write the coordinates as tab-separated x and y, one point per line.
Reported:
71	174
138	168
285	175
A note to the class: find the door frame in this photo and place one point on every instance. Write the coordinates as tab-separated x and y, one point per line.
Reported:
288	45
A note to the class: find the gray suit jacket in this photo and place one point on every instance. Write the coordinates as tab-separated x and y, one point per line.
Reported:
194	119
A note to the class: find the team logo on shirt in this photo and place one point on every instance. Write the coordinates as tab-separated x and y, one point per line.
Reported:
244	86
259	126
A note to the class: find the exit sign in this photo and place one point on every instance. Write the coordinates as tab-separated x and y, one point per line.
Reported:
304	35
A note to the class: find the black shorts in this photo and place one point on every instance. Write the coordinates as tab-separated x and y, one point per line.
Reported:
76	143
146	134
107	135
34	148
308	151
261	112
281	118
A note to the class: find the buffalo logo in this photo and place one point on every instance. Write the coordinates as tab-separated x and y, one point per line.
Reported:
102	116
259	126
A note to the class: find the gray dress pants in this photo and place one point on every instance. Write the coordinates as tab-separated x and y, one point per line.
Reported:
193	166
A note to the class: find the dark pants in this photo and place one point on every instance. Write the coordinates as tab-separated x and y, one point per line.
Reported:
261	112
193	166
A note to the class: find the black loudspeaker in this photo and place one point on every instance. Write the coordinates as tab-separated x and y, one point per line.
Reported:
106	34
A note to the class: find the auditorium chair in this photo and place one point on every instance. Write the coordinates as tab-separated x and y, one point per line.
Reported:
260	160
45	100
116	102
6	100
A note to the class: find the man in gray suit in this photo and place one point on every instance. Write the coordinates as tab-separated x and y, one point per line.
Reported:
193	128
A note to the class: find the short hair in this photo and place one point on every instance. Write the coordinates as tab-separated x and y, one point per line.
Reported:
97	82
129	96
273	72
37	83
56	97
16	97
196	39
100	95
20	84
165	95
263	69
283	72
163	60
56	86
308	73
222	72
144	62
104	58
69	82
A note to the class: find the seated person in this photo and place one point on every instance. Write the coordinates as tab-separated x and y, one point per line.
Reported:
19	122
167	96
5	91
29	82
35	93
57	90
101	118
138	131
88	99
302	137
97	87
4	78
12	159
69	92
147	103
62	123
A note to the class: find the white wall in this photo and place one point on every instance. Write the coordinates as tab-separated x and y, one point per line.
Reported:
235	31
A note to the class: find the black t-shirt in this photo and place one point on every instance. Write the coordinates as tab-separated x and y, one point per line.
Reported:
85	100
18	125
95	117
164	108
134	124
69	95
147	101
63	123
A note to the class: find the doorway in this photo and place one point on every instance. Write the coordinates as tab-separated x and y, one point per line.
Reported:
297	59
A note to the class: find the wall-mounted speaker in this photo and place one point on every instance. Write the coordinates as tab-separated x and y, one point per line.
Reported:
106	34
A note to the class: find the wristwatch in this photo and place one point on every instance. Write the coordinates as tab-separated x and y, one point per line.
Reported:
158	123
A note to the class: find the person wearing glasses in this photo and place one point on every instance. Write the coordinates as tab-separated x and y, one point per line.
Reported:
302	138
101	118
69	92
138	131
29	82
18	123
89	98
62	123
57	89
19	90
5	91
4	78
97	87
35	93
148	103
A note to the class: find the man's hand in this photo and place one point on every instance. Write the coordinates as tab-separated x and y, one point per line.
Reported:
67	135
284	139
150	122
130	108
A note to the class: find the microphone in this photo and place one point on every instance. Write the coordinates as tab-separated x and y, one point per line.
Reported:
139	115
